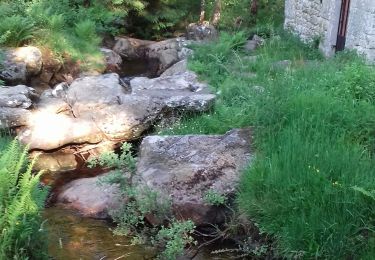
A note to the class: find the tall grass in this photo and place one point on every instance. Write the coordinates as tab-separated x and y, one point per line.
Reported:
312	186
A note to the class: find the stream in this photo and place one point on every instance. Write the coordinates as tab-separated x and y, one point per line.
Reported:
71	236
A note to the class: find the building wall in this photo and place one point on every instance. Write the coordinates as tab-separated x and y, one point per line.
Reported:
314	20
361	28
319	19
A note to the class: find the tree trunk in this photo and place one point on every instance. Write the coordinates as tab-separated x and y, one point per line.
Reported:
254	7
217	13
203	11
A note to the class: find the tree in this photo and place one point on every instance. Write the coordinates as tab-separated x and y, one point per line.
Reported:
254	7
217	13
203	11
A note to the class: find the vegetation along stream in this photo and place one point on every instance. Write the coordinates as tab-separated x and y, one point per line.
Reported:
187	129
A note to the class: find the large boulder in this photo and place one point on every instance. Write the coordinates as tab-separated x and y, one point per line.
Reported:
184	169
101	108
20	64
90	197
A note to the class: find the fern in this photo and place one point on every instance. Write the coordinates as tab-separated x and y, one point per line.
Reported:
16	30
21	200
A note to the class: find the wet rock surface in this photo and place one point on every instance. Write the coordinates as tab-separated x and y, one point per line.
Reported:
185	168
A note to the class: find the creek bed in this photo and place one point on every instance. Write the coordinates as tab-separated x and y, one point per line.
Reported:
71	236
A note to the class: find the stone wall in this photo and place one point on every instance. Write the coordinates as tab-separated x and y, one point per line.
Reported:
314	20
319	19
361	28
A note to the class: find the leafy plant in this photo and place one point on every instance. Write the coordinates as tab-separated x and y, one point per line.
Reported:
174	238
21	200
214	198
16	30
142	201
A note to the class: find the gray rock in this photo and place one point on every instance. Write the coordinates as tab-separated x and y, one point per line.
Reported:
14	102
18	96
14	117
89	197
184	168
99	108
281	65
253	44
178	68
165	51
113	60
177	92
59	91
130	48
20	64
201	32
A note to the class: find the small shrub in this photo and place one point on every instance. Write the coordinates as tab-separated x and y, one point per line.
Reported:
214	198
174	239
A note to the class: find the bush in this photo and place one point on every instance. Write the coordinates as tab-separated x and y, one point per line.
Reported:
21	200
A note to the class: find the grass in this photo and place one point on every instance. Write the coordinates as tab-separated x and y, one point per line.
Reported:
69	28
312	185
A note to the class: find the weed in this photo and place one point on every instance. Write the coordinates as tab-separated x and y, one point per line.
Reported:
214	198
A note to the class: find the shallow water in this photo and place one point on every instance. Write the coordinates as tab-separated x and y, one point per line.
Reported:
71	236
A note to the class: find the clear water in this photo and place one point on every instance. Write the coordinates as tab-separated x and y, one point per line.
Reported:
71	236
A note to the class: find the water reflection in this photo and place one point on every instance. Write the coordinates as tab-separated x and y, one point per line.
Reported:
73	237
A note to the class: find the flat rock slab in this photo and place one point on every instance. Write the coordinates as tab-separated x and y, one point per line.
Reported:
184	168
